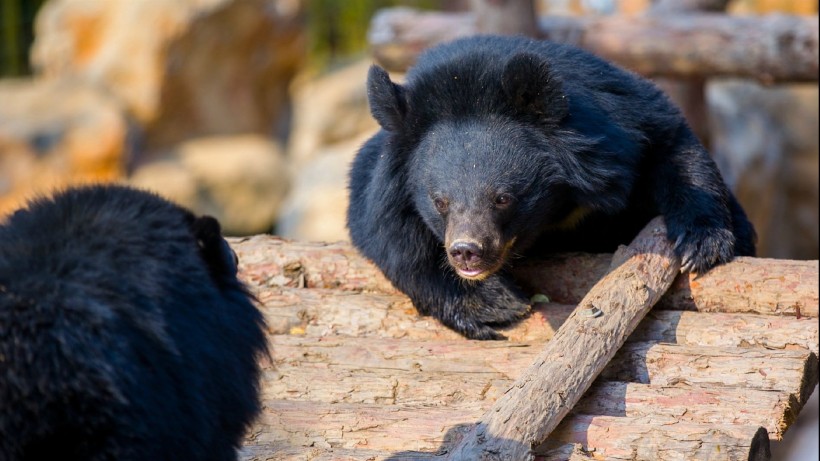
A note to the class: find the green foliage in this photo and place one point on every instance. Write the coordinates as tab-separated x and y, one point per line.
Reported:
338	28
16	35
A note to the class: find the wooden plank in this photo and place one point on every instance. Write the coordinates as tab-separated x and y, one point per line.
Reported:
380	428
746	285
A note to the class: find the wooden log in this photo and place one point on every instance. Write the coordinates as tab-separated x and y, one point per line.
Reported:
382	428
443	374
692	404
375	427
728	330
752	285
320	312
758	450
507	17
774	48
546	391
793	372
320	382
266	260
284	452
661	439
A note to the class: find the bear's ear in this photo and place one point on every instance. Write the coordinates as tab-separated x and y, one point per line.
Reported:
532	88
387	99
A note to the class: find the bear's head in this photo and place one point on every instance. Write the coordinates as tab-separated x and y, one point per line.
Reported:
489	154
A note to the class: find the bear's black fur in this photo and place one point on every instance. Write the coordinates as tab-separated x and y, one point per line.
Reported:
124	332
503	148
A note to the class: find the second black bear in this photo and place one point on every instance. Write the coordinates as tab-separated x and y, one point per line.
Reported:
124	332
498	149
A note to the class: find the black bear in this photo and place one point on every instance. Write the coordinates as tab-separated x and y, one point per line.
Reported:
124	332
501	148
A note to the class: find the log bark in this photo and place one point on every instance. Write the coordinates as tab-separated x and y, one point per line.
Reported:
443	373
385	429
790	371
546	391
266	260
335	383
773	48
320	312
756	449
659	439
746	285
794	372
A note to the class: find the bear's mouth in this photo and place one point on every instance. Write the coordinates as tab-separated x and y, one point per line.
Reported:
472	274
487	266
478	272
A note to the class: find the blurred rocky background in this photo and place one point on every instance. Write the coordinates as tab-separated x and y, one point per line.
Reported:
251	110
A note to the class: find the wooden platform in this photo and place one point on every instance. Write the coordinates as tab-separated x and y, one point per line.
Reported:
356	374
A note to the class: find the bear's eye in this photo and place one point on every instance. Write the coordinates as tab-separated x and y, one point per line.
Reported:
503	200
441	204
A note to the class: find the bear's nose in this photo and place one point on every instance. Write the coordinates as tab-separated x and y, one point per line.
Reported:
465	252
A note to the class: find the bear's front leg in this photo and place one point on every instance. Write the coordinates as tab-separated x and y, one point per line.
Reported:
698	207
475	309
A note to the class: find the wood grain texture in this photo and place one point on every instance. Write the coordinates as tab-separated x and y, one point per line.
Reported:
724	360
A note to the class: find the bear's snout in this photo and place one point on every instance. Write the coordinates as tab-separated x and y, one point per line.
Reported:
470	259
465	252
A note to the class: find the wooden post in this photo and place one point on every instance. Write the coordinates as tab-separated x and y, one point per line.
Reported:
540	398
689	94
505	17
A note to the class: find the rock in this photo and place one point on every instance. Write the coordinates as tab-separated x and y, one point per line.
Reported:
316	208
765	142
331	122
183	68
56	133
330	109
240	180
